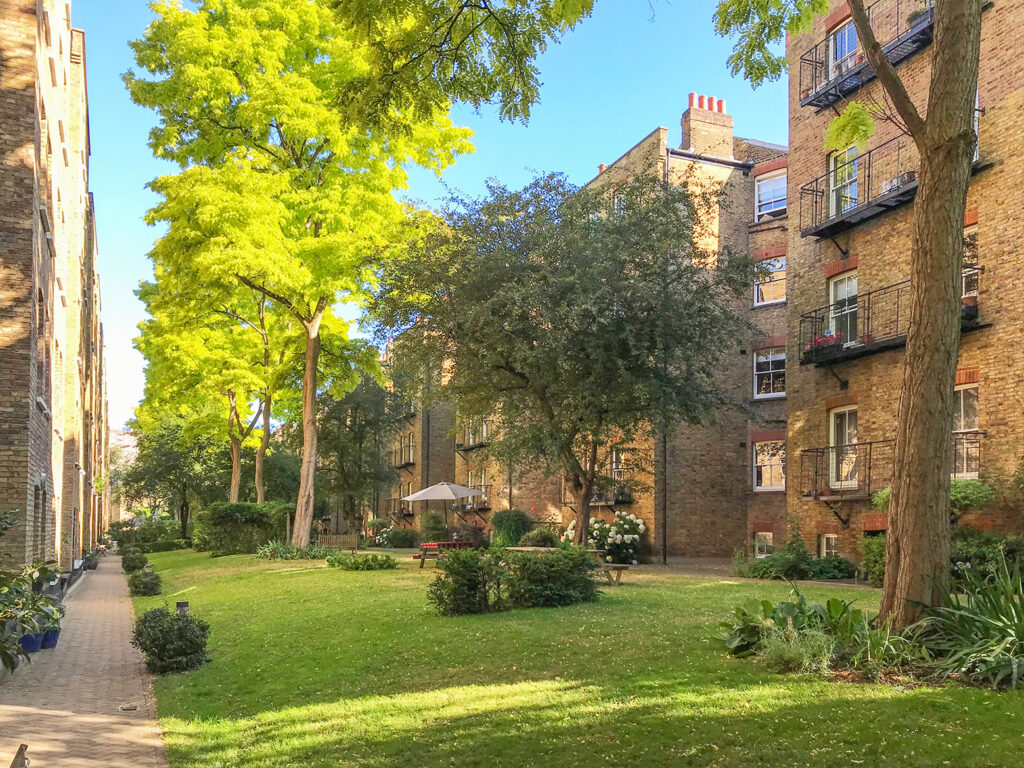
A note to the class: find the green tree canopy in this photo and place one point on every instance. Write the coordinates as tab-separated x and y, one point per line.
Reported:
577	326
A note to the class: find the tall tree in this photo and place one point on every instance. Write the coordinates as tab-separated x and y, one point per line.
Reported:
172	468
293	123
918	541
579	325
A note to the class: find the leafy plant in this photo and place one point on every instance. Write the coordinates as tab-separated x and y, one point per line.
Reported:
562	577
872	559
142	583
371	562
979	633
230	529
620	539
23	611
965	494
432	527
470	581
983	552
541	536
8	519
783	649
474	534
510	525
171	642
133	560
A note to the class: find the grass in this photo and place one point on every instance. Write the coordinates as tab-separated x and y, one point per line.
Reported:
322	667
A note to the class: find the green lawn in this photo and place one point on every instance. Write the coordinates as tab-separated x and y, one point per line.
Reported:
320	667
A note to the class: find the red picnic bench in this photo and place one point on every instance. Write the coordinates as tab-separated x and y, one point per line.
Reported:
435	550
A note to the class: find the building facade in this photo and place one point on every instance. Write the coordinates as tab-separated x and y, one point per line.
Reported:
715	485
849	258
53	416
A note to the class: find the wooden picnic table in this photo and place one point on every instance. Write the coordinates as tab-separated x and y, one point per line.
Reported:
611	571
435	550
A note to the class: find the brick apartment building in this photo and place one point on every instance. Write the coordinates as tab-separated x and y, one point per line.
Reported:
707	482
714	485
849	259
53	416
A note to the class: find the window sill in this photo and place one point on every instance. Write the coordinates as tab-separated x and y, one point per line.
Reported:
769	398
775	303
769	490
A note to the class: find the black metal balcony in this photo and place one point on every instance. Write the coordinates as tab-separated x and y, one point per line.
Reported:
610	498
474	436
481	503
869	322
396	508
902	27
860	188
402	457
856	471
846	472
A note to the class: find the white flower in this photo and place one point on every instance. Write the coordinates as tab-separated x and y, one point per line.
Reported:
608	559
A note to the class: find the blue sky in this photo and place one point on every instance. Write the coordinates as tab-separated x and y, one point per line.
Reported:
619	75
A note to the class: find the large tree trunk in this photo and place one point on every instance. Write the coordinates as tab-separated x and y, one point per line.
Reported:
918	541
261	452
307	473
236	469
582	499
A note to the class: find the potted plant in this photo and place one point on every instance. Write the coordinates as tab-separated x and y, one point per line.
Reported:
50	625
917	17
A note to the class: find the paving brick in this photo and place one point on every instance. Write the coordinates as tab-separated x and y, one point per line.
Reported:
64	704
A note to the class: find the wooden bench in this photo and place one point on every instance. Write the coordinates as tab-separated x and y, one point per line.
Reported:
613	572
341	541
435	550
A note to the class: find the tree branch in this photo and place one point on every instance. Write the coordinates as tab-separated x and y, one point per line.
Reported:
886	73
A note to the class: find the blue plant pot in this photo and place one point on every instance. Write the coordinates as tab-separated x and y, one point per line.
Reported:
31	643
50	638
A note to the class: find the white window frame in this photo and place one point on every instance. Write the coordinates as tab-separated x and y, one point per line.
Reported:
764	543
773	284
970	234
839	64
966	430
768	465
837	317
773	210
843	176
834	452
771	373
828	544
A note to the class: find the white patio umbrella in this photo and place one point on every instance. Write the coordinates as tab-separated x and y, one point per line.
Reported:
443	492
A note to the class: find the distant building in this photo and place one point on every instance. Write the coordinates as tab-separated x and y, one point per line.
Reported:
53	399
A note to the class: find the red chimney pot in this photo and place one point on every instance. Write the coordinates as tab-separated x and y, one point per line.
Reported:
702	101
711	103
693	99
721	106
602	168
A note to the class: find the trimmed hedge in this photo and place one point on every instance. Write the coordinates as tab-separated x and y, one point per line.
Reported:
171	642
133	560
475	581
232	529
372	562
143	584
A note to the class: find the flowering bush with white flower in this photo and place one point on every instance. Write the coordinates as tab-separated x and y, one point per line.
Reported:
620	539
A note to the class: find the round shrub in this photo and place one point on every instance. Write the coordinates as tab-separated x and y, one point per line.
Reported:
542	536
372	562
432	527
397	538
509	526
143	584
470	582
872	559
474	534
133	561
171	642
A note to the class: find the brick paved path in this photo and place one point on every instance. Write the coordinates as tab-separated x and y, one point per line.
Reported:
65	704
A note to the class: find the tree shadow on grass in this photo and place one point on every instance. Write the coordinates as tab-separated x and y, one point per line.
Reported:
796	721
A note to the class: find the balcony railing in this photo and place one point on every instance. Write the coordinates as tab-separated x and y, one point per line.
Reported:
397	507
859	188
846	471
474	436
402	457
869	322
479	503
617	495
856	471
833	69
